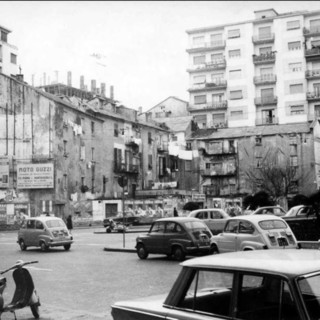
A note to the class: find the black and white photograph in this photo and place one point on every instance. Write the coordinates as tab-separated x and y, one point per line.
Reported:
159	160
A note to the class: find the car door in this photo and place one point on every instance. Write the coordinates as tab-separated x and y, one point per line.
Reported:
217	221
246	232
227	240
154	242
173	233
29	233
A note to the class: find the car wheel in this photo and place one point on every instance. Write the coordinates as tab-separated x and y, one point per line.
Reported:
67	247
43	246
142	252
35	311
108	230
178	254
23	246
214	249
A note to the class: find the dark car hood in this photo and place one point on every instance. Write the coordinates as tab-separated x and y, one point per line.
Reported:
136	307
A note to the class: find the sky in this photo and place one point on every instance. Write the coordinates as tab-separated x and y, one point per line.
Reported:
139	46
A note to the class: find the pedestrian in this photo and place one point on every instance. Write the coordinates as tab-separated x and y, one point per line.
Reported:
69	223
175	212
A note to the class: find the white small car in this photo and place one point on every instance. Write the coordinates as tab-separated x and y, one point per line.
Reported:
44	232
254	232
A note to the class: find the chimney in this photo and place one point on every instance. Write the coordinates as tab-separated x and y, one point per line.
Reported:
69	81
111	93
103	89
44	78
93	86
140	110
82	82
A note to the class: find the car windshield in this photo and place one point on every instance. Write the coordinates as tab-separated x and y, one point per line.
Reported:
55	223
272	224
310	290
196	228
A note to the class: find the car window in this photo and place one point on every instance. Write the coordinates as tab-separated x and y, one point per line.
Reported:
215	215
30	224
272	224
232	226
173	227
55	223
246	227
202	215
158	227
265	297
39	225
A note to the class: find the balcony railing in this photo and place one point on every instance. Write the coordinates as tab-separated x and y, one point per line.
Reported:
126	168
265	79
214	85
313	74
269	57
212	65
313	95
266	38
312	53
218	172
314	31
209	106
265	100
207	46
267	121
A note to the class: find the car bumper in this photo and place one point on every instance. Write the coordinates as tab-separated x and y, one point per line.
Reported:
59	243
197	249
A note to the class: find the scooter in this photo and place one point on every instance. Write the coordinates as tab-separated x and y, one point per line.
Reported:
25	294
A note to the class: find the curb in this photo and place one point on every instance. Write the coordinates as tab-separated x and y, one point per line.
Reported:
120	250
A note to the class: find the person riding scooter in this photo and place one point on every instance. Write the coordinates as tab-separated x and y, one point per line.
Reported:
25	293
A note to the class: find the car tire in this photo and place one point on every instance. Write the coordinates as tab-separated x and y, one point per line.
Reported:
142	252
214	249
43	246
108	230
67	247
35	311
23	246
178	254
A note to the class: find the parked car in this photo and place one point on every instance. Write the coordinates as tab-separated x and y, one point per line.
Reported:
177	237
300	211
267	285
44	232
215	219
254	232
128	220
277	211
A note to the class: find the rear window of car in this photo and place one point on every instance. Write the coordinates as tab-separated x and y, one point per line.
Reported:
272	224
196	228
55	223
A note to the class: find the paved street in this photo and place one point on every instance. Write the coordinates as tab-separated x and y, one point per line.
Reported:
84	282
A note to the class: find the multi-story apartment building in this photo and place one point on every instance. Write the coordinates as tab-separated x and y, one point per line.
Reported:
8	54
263	71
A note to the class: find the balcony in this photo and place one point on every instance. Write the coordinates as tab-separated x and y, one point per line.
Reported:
262	39
312	54
313	96
265	79
264	101
208	66
312	32
132	142
162	147
265	58
207	46
267	121
209	106
313	74
209	86
126	168
218	172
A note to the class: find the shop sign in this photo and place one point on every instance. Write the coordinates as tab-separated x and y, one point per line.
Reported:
35	176
199	197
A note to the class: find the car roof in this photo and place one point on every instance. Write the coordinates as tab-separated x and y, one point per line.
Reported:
208	209
179	219
286	262
43	218
257	217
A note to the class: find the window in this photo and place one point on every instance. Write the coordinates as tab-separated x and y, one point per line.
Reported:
265	50
117	155
246	227
149	138
293	161
266	93
235	33
218	98
236	114
232	226
116	130
217	77
296	45
258	162
39	225
150	161
293	149
296	88
92	154
218	118
258	141
200	99
216	57
293	25
65	181
299	109
314	25
4	36
198	41
92	127
199	60
264	32
13	58
315	43
158	227
216	37
235	74
201	120
65	142
234	53
234	95
0	53
199	79
295	67
317	110
188	165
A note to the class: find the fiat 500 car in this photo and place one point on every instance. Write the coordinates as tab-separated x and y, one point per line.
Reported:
44	232
264	285
254	232
175	237
277	211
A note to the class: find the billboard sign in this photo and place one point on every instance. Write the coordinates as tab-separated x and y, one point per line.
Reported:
35	176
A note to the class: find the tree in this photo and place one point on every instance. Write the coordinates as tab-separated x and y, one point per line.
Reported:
260	199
